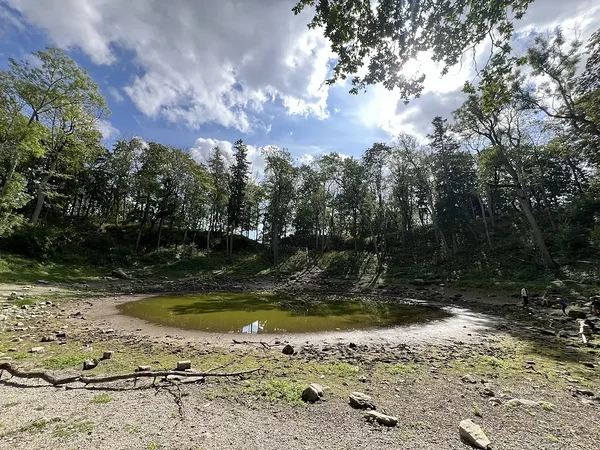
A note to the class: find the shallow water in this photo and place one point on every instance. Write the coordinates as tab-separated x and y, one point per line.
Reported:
268	313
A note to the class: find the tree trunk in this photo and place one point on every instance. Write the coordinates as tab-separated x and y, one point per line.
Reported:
485	224
41	196
9	176
275	243
160	227
142	223
535	229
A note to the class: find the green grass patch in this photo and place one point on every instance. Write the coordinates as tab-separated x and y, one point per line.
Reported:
64	361
399	368
70	429
275	390
101	399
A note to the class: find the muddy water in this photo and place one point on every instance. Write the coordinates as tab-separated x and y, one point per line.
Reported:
267	313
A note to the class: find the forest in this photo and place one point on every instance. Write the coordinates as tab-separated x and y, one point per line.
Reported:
512	174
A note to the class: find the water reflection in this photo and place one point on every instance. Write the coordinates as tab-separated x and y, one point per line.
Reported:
254	328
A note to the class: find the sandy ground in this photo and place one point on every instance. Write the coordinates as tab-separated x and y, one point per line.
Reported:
429	401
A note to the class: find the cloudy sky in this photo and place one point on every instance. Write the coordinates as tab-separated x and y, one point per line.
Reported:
200	73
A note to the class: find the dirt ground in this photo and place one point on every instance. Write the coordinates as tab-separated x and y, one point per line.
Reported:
416	374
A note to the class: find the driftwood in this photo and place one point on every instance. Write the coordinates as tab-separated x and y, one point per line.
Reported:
58	381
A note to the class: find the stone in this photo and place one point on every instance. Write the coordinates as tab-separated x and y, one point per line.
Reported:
288	350
312	393
363	379
473	435
37	349
61	334
522	402
48	339
120	273
108	355
143	369
591	365
43	282
382	419
184	365
359	400
20	324
418	282
487	392
469	379
90	364
2	317
577	313
585	392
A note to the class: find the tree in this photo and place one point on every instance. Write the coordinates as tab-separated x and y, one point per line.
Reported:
280	174
384	35
237	191
492	112
218	194
454	180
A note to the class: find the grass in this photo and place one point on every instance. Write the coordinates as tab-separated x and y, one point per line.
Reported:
275	390
477	410
399	368
101	399
64	361
73	428
19	269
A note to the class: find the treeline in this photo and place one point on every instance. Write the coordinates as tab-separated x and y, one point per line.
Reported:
521	153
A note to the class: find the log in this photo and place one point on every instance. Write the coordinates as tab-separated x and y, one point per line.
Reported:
57	380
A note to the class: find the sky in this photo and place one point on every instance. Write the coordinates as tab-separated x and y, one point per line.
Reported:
200	73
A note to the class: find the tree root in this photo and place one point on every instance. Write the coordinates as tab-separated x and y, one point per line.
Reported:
58	381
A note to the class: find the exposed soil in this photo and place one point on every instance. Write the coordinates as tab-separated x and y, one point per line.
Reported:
413	373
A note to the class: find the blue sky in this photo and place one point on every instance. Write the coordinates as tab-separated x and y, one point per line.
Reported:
197	73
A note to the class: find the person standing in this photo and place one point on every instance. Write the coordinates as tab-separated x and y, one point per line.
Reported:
563	305
525	296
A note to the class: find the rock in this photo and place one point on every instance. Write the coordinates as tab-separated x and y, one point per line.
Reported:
37	349
90	364
43	282
143	369
522	402
585	392
362	379
469	379
351	345
591	365
61	334
487	392
577	313
312	393
120	273
2	317
184	365
288	350
418	282
383	419
108	355
359	400
20	324
495	401
48	339
473	435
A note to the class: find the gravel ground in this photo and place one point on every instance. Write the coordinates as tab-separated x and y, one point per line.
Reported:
424	390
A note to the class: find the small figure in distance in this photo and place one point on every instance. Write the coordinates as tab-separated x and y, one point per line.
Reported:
546	299
525	296
563	305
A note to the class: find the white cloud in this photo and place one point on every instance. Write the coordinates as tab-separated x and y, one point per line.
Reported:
199	61
107	129
203	146
115	94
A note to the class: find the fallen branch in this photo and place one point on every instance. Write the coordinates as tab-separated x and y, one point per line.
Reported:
57	381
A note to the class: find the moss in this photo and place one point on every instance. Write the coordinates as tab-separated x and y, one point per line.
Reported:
70	429
101	399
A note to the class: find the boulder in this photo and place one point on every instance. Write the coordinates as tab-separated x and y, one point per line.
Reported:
522	402
120	273
288	350
473	435
90	364
383	419
577	313
143	369
184	365
359	400
312	393
469	379
37	349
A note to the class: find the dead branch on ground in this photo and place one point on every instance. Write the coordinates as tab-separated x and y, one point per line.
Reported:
58	381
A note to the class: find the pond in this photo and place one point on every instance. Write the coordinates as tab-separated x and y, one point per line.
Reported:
268	313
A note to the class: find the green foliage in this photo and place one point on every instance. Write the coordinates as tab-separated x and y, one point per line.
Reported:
101	399
390	33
